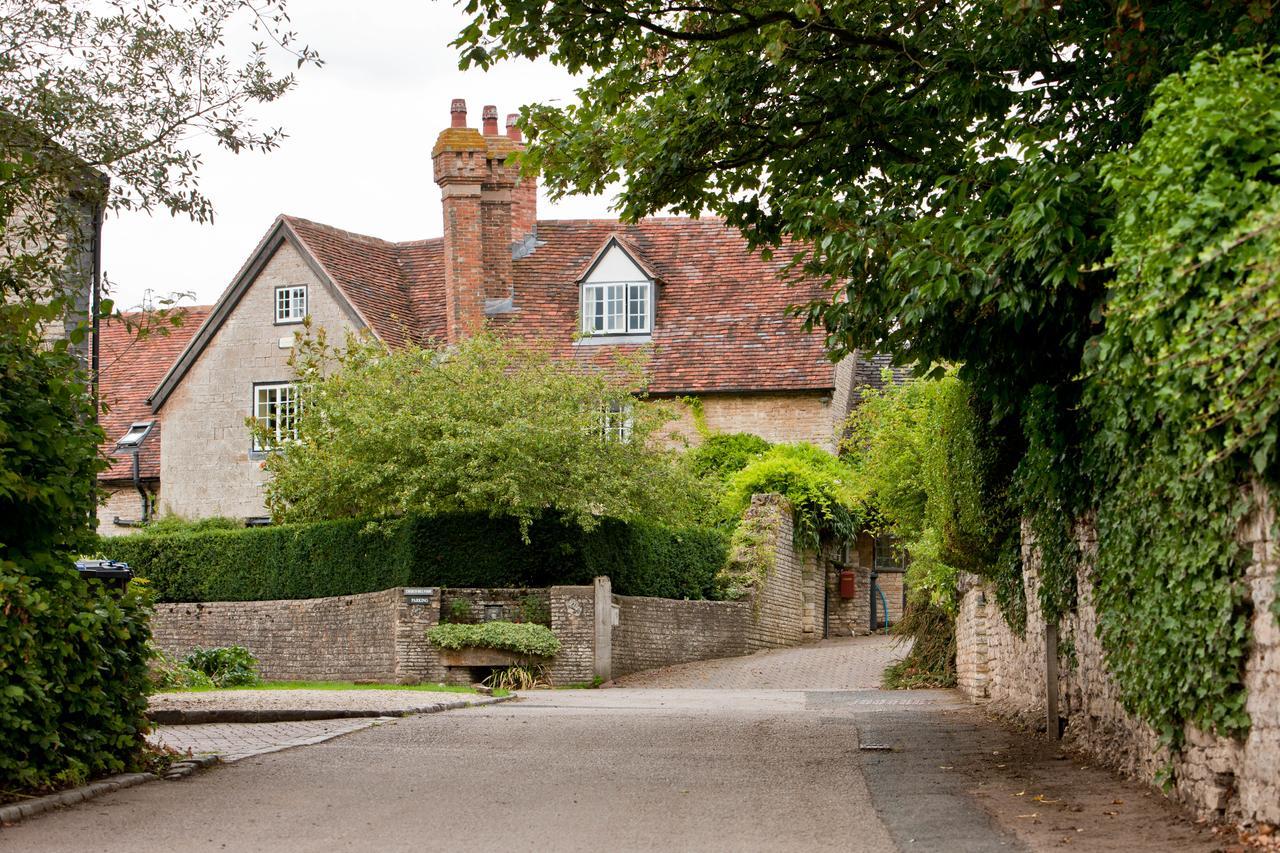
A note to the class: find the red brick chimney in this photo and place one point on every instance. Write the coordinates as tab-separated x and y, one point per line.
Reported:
489	211
460	164
524	198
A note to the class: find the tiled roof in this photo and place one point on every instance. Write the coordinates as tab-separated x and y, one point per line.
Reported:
129	368
721	321
371	272
869	372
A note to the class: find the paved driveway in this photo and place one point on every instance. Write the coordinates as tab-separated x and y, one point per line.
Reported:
846	663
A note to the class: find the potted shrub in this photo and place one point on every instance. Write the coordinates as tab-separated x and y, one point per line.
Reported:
493	643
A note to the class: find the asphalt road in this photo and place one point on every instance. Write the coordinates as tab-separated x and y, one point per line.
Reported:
644	769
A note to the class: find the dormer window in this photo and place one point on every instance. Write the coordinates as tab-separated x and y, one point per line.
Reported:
617	295
291	304
616	308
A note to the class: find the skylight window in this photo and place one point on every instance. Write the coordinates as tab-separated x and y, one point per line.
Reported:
138	432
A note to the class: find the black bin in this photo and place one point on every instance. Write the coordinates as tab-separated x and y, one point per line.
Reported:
112	574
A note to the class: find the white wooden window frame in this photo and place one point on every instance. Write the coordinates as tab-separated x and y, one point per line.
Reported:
617	308
290	304
275	405
617	420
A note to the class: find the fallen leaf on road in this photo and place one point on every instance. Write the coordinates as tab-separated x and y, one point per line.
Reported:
1117	802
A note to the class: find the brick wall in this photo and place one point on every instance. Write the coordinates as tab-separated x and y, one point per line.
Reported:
1217	777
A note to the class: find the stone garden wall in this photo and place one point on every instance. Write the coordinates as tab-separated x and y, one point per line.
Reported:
657	632
336	639
1217	777
381	636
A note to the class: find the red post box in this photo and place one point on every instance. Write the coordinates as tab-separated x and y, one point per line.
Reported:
847	585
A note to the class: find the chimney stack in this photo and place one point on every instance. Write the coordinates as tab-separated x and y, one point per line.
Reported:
489	215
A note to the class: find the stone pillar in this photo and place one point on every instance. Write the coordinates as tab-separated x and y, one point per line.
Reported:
603	628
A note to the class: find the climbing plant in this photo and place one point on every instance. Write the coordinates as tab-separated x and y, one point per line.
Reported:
1183	388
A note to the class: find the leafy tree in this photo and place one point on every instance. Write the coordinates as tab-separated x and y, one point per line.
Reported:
490	425
936	162
100	104
89	92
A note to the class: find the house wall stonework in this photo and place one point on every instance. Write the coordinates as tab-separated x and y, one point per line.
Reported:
207	466
121	501
1218	777
784	416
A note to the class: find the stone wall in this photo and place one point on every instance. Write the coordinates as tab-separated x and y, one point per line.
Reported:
124	502
510	605
573	615
338	639
785	608
207	464
1218	777
657	632
786	416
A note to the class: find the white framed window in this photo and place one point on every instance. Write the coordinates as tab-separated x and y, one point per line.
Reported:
617	307
291	304
276	407
616	420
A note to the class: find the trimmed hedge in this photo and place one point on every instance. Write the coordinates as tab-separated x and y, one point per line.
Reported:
523	638
355	556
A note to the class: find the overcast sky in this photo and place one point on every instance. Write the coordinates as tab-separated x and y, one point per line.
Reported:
358	155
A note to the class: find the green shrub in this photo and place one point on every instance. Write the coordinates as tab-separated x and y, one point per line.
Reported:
348	557
226	666
523	638
722	455
178	524
818	486
73	655
169	673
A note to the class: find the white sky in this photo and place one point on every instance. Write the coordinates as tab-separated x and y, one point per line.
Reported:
358	154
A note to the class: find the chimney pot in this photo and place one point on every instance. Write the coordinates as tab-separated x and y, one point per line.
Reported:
458	112
490	117
513	132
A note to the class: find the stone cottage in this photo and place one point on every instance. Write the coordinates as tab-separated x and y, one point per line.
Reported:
712	314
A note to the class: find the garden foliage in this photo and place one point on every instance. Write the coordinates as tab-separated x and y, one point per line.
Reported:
525	638
73	655
818	486
925	468
351	556
490	425
226	666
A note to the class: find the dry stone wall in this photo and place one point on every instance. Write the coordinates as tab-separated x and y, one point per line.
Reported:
1218	777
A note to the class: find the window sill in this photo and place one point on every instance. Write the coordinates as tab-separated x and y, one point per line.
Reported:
604	340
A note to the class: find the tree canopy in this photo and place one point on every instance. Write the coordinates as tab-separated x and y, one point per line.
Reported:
938	161
492	425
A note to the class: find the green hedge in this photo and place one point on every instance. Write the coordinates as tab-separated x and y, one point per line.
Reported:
349	557
523	638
